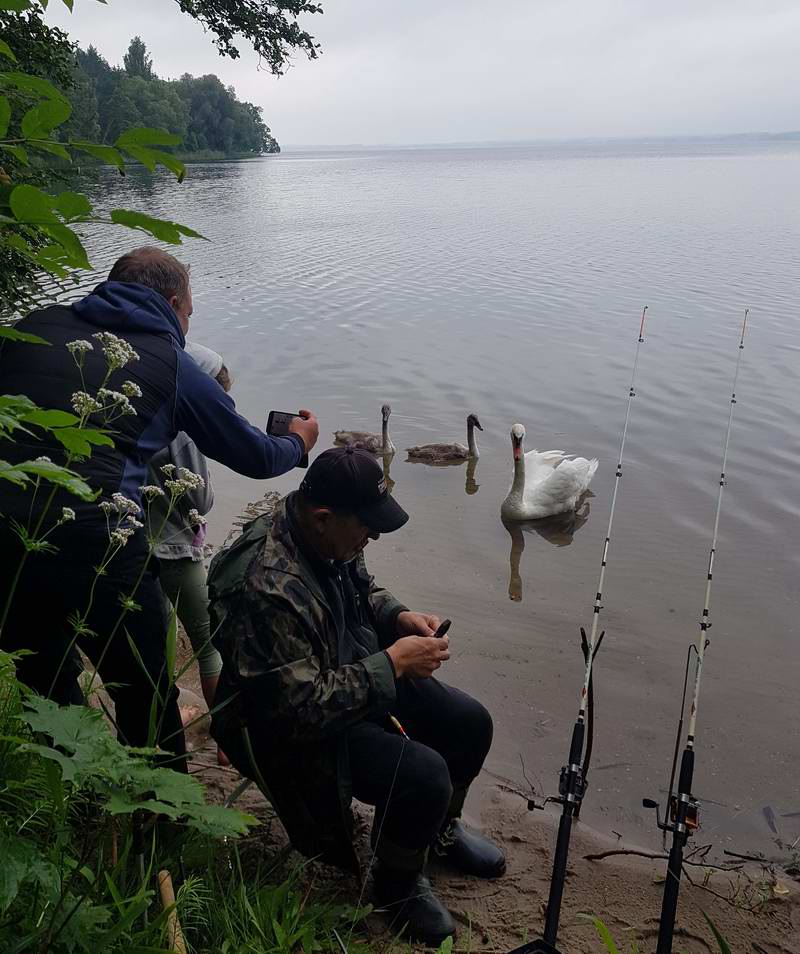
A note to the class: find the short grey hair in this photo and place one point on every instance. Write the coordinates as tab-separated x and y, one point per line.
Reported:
155	268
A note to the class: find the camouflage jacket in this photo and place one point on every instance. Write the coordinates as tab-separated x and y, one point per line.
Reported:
283	680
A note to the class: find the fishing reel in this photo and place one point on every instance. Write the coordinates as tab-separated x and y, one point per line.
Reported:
691	821
571	788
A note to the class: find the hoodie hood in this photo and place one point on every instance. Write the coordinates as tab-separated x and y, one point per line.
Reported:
127	306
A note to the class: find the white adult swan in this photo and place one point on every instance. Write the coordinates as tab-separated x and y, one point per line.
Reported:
444	453
376	443
545	483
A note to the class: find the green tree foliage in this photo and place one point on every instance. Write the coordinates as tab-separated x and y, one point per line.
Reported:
137	62
204	113
269	25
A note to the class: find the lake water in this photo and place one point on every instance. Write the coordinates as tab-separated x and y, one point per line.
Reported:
509	282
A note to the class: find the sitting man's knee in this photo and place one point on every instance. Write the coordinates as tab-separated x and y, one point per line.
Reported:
432	778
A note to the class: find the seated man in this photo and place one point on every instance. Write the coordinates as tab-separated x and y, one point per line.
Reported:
327	692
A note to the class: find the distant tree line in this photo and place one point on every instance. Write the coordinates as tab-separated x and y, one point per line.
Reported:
204	112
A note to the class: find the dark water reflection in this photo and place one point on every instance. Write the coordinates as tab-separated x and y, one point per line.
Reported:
510	282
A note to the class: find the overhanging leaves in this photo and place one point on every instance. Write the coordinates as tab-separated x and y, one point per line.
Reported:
159	228
13	335
107	154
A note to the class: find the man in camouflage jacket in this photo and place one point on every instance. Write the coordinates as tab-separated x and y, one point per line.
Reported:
323	669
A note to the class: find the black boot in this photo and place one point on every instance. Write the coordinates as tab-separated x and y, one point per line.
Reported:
468	852
412	907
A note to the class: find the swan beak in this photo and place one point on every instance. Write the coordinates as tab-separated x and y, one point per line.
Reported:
517	449
478	424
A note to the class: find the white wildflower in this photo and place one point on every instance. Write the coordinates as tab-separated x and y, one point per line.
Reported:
107	507
116	399
168	469
117	351
121	536
84	404
196	518
150	491
79	347
125	505
133	522
131	389
67	514
43	460
193	481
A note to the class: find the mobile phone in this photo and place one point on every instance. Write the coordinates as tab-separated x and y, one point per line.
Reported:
443	627
278	426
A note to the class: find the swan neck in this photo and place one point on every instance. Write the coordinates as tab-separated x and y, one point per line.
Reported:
518	486
386	443
473	447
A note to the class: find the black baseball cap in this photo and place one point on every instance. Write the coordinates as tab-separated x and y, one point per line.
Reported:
349	478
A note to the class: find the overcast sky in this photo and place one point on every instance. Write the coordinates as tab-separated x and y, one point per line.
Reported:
420	71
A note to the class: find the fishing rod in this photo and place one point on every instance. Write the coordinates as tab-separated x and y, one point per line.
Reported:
572	780
682	810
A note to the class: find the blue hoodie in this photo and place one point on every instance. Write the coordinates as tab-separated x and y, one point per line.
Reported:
177	394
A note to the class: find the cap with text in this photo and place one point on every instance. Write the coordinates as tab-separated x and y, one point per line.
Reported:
349	478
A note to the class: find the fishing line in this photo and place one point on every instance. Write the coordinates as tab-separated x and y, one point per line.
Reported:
682	813
572	781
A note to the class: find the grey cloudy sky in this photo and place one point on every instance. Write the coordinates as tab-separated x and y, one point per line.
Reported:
417	71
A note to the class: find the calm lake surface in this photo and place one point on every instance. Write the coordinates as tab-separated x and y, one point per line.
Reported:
509	282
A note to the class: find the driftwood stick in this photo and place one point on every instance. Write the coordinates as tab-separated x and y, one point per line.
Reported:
657	857
174	932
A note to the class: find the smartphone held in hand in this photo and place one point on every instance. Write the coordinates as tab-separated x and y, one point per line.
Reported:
278	426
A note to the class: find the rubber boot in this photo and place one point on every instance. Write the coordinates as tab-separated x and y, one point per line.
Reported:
468	851
412	907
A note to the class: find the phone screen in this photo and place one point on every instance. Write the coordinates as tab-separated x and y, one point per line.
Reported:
278	426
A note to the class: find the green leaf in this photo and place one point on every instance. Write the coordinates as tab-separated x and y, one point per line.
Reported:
21	862
17	152
75	253
150	158
16	5
146	137
54	148
73	205
5	115
107	154
160	228
13	335
51	418
31	205
13	408
5	50
60	476
603	932
40	121
724	947
79	440
32	84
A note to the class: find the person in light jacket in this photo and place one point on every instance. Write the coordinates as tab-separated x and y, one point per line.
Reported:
181	537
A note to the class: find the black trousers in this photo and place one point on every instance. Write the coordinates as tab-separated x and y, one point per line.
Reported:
54	588
417	785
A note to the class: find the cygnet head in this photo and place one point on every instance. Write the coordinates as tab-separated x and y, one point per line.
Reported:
386	411
517	437
472	421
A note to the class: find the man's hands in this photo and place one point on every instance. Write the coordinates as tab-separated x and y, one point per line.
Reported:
416	624
415	653
307	426
418	656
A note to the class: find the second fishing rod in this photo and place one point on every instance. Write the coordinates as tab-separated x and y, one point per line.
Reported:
572	781
682	812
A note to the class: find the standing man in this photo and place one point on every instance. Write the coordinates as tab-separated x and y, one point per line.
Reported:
120	348
330	692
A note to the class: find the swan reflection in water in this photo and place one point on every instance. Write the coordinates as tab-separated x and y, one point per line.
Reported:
387	463
558	530
471	486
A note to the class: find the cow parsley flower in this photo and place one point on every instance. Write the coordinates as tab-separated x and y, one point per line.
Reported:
131	389
79	348
67	514
150	491
116	399
84	404
196	518
124	505
43	460
121	535
118	352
